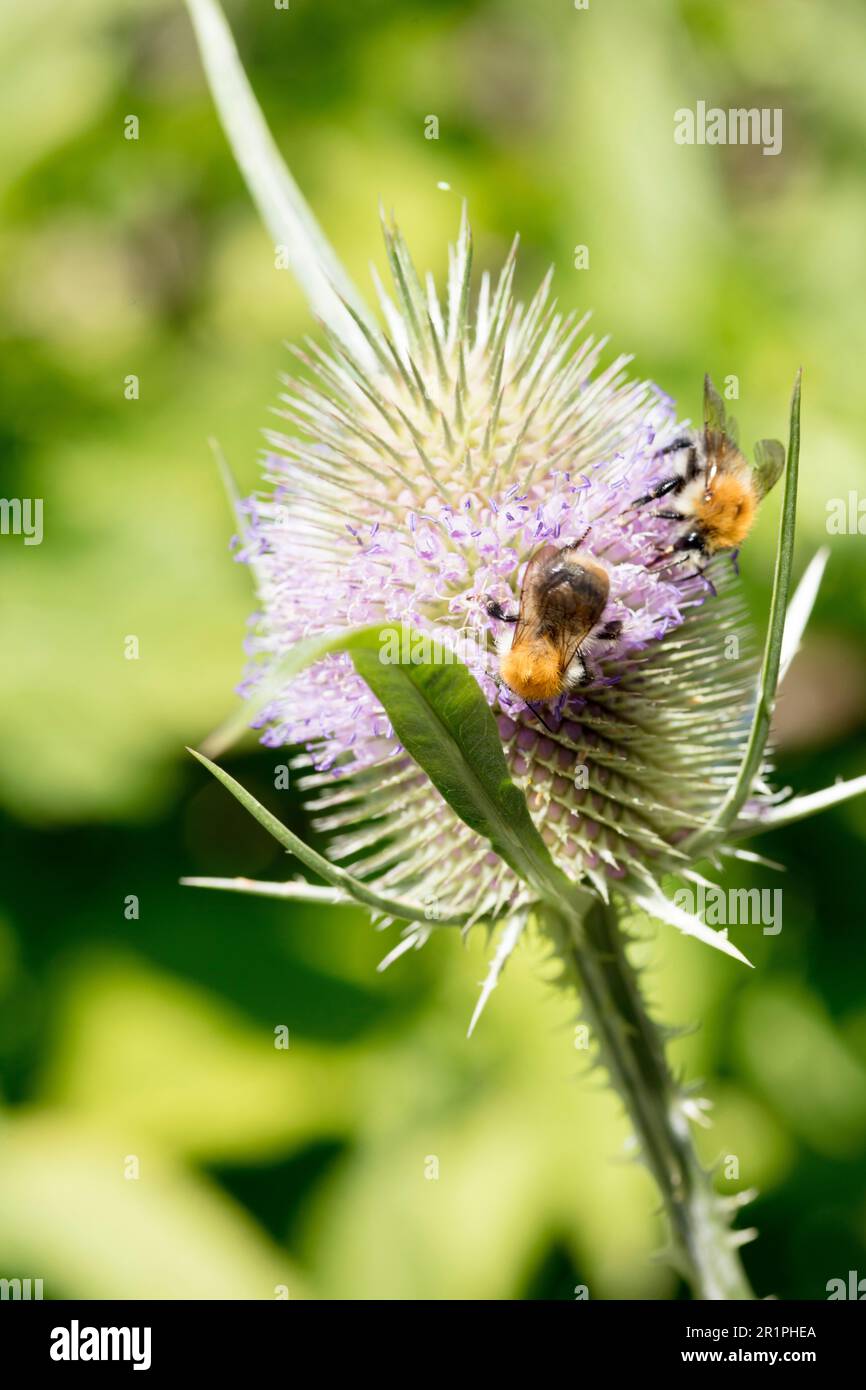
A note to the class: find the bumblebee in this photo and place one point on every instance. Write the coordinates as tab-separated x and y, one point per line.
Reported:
562	601
715	488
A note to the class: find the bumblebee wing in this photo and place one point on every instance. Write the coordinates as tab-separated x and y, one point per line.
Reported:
570	644
769	464
715	415
718	428
528	616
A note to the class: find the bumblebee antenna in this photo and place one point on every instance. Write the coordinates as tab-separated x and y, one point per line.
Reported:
575	545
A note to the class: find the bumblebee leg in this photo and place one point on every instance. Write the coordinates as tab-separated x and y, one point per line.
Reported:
701	573
694	465
610	631
495	610
661	557
681	550
539	716
684	442
669	516
672	555
659	491
577	673
674	484
690	574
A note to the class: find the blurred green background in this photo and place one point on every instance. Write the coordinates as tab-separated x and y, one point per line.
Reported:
153	1038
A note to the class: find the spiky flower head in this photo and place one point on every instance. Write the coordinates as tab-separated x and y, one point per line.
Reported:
410	486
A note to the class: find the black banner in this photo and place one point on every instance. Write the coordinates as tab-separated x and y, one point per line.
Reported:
154	1338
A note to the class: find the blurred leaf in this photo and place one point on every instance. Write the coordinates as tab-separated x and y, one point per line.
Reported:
68	1214
177	1073
476	1155
803	1068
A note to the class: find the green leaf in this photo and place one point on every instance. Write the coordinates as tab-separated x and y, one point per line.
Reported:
282	207
173	1235
443	721
296	890
800	807
354	888
765	695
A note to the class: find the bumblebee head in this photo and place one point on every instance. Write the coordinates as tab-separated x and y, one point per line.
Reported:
727	511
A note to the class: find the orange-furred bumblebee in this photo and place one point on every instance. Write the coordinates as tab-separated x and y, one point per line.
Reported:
562	599
716	489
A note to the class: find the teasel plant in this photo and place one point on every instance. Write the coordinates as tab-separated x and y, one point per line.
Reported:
423	456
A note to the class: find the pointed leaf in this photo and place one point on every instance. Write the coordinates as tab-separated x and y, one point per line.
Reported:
354	888
443	721
800	807
653	901
230	487
281	204
295	890
800	608
300	656
511	934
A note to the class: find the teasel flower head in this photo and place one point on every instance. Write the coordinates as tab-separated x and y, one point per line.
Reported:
408	493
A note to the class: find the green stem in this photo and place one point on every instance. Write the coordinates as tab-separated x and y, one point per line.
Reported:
703	1245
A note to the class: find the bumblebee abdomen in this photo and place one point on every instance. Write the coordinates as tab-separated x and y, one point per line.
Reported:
532	671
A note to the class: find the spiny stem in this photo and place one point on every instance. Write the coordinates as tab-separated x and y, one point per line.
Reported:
632	1049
